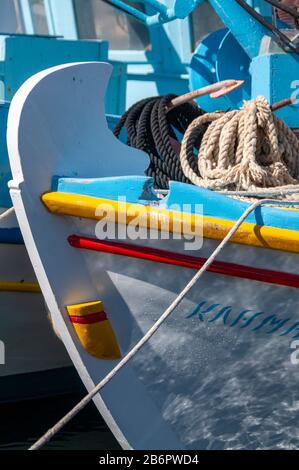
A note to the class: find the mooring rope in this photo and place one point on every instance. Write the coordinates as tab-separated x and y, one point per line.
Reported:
82	404
5	214
150	126
243	150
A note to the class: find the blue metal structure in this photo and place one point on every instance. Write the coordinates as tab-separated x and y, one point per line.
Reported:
171	62
165	64
24	56
177	9
245	49
153	69
258	58
161	13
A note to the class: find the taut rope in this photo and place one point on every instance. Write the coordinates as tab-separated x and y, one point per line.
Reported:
247	150
5	214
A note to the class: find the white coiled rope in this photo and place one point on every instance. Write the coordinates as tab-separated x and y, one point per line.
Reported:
243	150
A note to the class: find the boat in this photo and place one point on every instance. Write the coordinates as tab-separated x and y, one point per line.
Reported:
221	371
33	362
31	369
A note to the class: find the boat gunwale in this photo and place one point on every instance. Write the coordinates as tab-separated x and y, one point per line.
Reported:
250	234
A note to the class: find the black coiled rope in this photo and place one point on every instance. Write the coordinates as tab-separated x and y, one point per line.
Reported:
151	128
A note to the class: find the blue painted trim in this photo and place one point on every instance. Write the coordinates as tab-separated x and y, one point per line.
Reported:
139	190
11	236
222	207
136	189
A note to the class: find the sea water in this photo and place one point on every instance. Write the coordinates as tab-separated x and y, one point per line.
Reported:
23	423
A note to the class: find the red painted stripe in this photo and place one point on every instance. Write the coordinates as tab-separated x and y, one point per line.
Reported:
89	319
186	261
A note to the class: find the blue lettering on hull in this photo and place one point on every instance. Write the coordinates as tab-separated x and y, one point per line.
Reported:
255	321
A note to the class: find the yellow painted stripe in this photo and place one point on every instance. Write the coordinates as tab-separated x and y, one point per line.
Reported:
214	228
282	208
7	286
98	338
88	308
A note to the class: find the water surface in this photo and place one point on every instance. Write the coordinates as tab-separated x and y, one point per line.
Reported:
21	424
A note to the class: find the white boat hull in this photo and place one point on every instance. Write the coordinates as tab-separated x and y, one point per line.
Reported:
216	378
